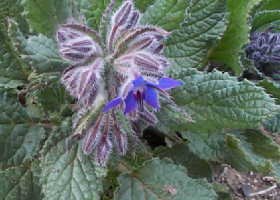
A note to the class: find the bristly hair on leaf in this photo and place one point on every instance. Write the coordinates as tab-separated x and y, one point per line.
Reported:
127	68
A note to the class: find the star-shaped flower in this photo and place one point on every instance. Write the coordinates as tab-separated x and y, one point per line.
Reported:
143	91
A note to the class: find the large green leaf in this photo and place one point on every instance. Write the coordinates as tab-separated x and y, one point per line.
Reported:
9	65
9	8
265	19
20	135
68	173
244	150
93	9
229	48
53	98
42	54
18	183
240	148
21	138
269	5
142	5
19	143
44	16
272	124
219	101
46	94
271	88
181	155
6	83
161	179
261	144
12	66
167	14
204	24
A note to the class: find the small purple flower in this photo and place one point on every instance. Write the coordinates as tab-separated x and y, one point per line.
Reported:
143	91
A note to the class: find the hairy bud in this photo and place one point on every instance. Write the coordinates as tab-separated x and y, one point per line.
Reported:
264	50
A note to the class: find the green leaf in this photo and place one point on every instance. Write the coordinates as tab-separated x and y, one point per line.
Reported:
271	88
181	155
261	144
206	147
19	143
272	124
247	150
142	5
167	14
20	135
236	36
11	64
161	179
68	173
276	170
219	101
44	16
269	5
42	54
203	26
52	96
239	148
266	19
93	9
6	83
18	183
9	8
171	121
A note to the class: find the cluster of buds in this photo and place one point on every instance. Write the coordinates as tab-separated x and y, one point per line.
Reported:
264	51
127	69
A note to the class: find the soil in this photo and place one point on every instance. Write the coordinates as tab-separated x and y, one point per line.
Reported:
248	186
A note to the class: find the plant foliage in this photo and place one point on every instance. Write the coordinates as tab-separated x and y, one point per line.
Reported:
81	81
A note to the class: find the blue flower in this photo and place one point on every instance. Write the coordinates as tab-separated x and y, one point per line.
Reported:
143	91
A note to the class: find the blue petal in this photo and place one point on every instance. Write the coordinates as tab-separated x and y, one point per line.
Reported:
116	101
151	84
168	83
139	82
130	103
150	96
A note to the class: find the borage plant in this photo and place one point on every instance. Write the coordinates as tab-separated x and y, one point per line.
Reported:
124	99
126	67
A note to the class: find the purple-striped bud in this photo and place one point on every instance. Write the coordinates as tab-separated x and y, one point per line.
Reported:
136	34
132	20
83	82
146	61
122	14
104	147
77	47
103	151
93	136
119	137
118	23
140	44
